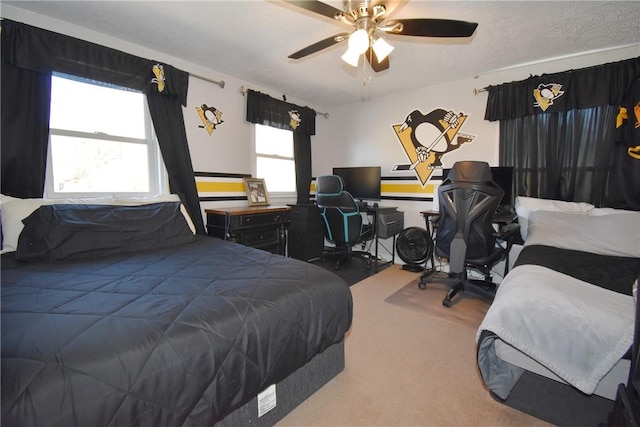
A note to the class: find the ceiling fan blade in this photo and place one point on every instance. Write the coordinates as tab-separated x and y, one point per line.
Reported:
322	44
316	7
425	27
373	61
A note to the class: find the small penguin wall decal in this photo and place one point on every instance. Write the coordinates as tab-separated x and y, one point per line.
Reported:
211	117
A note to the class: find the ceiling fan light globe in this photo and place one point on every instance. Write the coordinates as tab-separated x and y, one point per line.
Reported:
351	57
382	49
359	41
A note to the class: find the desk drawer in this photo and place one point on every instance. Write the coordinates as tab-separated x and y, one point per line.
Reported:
261	219
259	237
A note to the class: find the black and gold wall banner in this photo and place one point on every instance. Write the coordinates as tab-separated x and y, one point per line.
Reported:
606	84
426	138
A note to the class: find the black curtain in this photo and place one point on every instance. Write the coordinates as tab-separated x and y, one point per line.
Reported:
29	49
24	130
561	156
560	133
168	122
265	110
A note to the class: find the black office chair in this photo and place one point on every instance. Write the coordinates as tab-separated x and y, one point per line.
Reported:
344	225
465	232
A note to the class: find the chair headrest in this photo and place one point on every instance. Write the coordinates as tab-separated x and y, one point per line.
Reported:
329	184
470	171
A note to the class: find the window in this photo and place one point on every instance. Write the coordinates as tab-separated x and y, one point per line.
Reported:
101	141
274	159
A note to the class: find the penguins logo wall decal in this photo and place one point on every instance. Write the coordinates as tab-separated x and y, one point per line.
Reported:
210	116
545	94
159	79
427	137
294	118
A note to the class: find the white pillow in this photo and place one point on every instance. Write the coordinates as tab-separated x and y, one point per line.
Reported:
526	205
4	199
606	211
615	234
14	210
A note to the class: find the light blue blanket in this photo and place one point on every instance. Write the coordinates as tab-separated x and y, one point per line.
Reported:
577	330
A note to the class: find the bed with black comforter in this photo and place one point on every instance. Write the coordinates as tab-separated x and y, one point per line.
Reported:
118	316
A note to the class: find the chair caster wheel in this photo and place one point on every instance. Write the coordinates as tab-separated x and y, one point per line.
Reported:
422	285
446	302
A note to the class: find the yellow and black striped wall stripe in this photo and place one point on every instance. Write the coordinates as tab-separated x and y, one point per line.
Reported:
400	188
216	186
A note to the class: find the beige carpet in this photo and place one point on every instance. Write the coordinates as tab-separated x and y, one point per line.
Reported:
467	309
404	368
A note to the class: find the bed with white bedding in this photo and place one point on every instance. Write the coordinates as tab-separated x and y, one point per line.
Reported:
555	342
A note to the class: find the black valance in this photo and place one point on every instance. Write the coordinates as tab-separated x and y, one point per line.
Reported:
265	110
44	51
600	85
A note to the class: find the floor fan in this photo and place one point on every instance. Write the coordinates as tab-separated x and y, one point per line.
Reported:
413	246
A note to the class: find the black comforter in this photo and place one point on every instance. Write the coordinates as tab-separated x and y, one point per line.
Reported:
175	336
615	273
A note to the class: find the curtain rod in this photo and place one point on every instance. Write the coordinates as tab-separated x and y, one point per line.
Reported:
206	79
477	91
244	90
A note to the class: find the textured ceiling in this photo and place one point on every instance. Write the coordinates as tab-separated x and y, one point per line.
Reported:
250	40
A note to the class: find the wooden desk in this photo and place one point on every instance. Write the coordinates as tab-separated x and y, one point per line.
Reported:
262	227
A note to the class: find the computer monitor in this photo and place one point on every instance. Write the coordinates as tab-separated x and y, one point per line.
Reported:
503	176
363	182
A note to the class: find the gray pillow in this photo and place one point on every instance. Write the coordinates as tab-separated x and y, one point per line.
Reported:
616	234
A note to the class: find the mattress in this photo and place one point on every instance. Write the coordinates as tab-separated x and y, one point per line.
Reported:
175	334
607	387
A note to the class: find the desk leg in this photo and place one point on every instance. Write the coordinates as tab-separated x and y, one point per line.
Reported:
375	234
432	259
283	240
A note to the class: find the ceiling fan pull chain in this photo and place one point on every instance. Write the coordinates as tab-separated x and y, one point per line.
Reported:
364	74
364	71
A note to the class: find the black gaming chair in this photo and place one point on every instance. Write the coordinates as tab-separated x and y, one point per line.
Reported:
344	225
465	232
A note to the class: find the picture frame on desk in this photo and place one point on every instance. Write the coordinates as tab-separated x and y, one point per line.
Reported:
257	194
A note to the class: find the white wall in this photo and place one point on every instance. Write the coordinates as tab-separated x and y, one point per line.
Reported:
363	135
354	135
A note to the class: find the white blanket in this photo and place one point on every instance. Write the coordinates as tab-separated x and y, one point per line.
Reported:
575	329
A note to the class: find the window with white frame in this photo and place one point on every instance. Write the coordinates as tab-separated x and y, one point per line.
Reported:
101	141
275	161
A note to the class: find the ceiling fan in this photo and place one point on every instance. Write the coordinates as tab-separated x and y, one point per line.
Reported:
368	18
